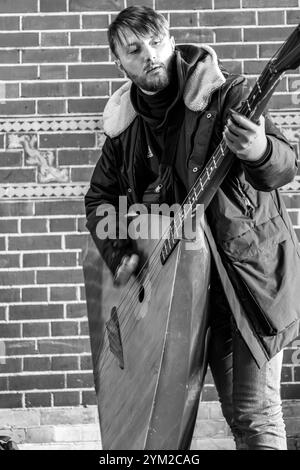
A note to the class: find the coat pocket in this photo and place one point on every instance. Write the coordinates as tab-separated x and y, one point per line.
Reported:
267	273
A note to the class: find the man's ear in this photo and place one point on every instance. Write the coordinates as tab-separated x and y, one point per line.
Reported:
120	66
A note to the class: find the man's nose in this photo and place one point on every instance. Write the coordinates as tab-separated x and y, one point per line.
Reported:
149	53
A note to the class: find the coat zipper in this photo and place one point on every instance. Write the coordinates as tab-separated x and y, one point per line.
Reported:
249	206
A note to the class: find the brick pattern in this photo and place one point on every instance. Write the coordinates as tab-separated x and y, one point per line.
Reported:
78	428
49	426
44	327
62	64
55	63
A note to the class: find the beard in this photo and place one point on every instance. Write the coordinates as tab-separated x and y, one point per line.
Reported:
154	79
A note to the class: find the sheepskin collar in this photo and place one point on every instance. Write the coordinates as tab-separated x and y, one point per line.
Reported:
205	78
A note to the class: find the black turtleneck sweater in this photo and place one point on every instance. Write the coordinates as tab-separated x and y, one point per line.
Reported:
161	117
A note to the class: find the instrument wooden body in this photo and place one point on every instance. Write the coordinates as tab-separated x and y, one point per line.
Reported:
152	402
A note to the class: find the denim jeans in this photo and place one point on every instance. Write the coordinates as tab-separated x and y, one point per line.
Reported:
249	396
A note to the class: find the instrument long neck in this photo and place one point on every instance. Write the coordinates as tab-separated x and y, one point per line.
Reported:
219	164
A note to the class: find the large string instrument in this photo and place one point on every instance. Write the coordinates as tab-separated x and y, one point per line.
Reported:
149	338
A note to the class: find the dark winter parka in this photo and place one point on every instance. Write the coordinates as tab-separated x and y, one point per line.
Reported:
257	251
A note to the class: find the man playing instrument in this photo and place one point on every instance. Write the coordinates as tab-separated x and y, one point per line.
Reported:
162	126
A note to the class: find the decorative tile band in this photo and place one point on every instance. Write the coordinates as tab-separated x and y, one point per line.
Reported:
22	191
89	123
58	191
51	124
286	118
292	187
44	160
289	124
53	181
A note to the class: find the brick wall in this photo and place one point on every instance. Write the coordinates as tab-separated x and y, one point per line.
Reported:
56	75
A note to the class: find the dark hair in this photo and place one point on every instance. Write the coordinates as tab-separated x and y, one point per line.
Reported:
140	20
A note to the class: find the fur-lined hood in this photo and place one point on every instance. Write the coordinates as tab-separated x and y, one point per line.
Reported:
204	79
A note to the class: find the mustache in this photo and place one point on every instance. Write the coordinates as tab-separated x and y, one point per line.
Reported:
153	66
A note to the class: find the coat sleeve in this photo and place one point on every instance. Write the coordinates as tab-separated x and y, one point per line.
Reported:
102	201
104	186
279	165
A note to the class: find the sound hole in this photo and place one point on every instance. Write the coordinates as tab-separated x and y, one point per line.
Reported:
141	294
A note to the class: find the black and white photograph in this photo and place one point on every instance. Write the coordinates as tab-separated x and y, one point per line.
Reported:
149	228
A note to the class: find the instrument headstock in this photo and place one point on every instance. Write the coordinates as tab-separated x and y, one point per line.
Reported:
288	56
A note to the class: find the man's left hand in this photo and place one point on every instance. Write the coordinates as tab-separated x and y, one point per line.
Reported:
246	139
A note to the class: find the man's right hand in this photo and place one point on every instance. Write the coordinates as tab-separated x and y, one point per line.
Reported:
126	269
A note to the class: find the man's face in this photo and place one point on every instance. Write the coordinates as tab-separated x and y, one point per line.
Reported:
147	60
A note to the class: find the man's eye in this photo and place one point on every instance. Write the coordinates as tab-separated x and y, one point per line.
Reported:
157	41
133	51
